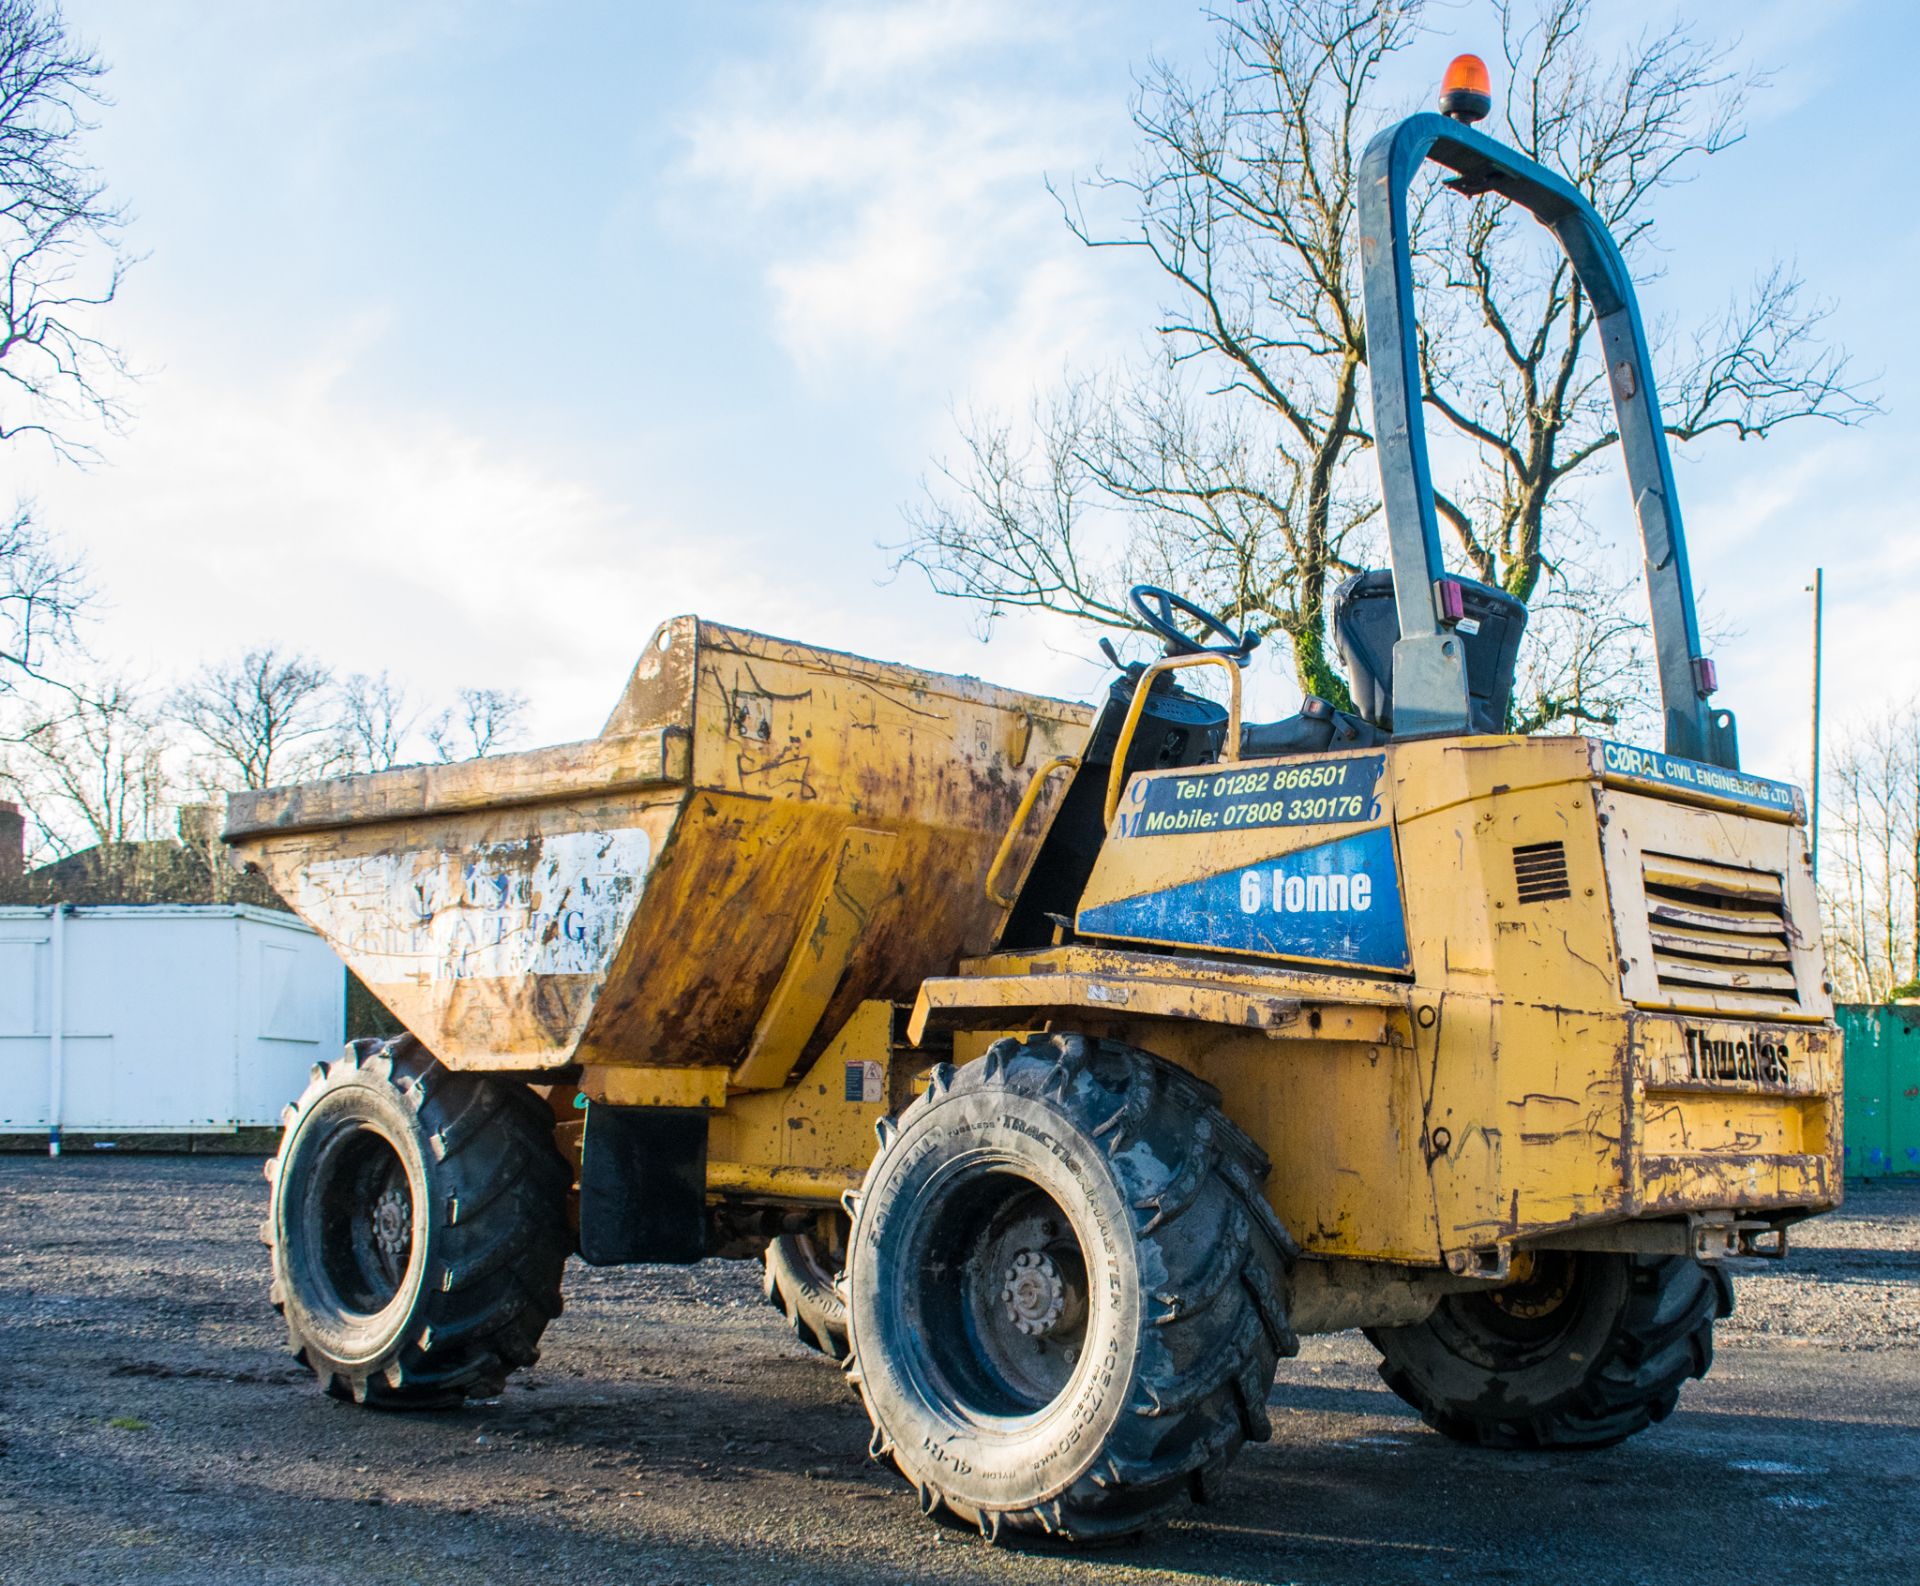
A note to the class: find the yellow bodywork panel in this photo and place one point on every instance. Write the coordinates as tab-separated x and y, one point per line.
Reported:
812	1140
655	1087
1464	992
859	881
1106	983
1490	1039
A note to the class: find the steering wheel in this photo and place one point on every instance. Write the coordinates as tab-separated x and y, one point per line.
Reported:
1156	607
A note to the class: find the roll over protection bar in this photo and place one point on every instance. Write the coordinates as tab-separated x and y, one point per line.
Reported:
1429	666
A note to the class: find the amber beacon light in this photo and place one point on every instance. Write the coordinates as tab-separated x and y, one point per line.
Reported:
1466	92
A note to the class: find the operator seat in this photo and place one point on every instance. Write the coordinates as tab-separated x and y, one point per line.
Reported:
1365	629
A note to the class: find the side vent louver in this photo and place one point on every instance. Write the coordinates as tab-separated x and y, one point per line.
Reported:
1541	871
1719	930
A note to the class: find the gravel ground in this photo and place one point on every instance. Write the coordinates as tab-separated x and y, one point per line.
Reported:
152	1430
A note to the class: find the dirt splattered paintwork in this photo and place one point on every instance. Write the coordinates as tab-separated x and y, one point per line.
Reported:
635	900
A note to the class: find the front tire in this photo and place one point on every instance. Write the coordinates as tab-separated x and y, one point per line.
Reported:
1065	1290
418	1228
1583	1350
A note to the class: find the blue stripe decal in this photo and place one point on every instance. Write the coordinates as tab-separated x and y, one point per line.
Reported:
1338	902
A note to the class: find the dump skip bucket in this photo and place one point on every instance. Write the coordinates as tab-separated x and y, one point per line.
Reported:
764	834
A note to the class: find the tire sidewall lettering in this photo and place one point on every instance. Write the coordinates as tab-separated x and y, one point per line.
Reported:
1040	1140
364	1342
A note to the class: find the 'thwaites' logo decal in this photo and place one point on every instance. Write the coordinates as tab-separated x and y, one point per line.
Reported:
1750	1058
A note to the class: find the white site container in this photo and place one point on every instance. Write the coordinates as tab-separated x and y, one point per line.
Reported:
160	1019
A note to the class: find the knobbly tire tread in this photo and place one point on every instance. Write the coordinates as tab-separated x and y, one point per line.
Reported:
1187	1416
814	1309
498	1238
1662	1339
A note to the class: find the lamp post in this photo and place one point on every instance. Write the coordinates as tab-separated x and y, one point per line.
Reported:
1813	830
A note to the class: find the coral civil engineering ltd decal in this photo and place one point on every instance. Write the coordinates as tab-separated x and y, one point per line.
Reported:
1337	902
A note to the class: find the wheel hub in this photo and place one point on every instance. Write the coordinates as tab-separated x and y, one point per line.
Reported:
1034	1293
1005	1315
1539	1288
393	1223
359	1217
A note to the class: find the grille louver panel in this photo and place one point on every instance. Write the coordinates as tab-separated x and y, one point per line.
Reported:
1716	928
1540	870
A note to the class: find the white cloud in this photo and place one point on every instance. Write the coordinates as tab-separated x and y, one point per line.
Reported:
1766	518
283	510
887	164
854	46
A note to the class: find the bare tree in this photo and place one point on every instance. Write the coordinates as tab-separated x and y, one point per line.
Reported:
95	771
1589	655
58	262
1506	332
483	722
58	236
1234	462
42	591
263	720
376	721
1228	464
1870	858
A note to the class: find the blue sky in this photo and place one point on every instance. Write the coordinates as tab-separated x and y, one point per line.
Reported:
479	338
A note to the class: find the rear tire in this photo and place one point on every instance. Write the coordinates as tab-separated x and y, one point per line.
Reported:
1065	1290
1585	1351
800	1281
418	1228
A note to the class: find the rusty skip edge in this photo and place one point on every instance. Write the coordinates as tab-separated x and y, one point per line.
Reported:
718	638
647	742
593	768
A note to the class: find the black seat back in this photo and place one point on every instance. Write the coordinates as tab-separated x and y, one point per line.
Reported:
1365	629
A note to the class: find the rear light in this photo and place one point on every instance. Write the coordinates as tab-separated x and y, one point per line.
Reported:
1706	676
1450	598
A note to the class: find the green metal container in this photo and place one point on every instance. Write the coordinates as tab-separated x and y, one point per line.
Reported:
1882	1088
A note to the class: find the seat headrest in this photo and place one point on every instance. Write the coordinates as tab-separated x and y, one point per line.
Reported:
1366	627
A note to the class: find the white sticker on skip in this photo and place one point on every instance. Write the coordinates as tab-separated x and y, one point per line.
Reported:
553	905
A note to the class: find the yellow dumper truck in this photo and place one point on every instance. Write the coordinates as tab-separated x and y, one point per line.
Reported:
1181	1035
